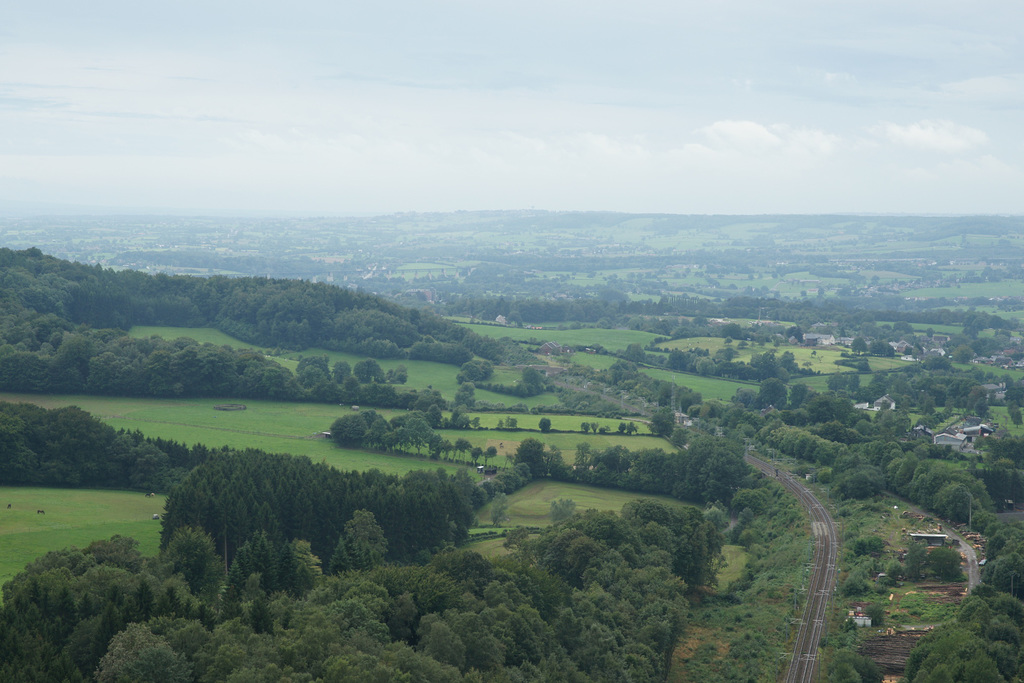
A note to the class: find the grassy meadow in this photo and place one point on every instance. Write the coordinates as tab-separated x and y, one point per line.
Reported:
709	387
422	374
531	505
613	340
276	427
73	517
283	427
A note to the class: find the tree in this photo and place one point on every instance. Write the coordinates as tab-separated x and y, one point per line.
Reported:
531	382
465	395
880	347
772	393
663	422
362	544
962	354
340	371
858	345
1015	416
400	375
531	453
914	562
349	430
191	553
545	425
368	370
945	563
499	509
462	445
562	508
136	654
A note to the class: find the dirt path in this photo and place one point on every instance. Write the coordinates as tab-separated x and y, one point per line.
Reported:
973	570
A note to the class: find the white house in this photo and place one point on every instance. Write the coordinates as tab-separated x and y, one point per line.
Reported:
887	399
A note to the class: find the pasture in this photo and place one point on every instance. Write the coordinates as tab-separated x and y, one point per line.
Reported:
709	387
531	505
570	423
971	290
507	441
816	358
276	427
203	335
73	517
422	374
282	427
613	340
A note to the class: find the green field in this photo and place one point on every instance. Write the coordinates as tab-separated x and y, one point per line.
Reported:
489	547
972	290
506	441
422	374
613	340
735	561
709	387
276	427
558	422
818	359
531	505
72	517
282	427
203	335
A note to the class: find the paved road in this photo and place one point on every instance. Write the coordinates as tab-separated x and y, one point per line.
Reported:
803	666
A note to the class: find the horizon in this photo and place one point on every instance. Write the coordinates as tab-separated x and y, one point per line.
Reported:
685	108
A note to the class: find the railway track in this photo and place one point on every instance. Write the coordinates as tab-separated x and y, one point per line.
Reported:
803	666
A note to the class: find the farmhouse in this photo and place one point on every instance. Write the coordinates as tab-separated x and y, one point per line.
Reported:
886	400
956	441
880	403
554	349
815	339
977	432
920	430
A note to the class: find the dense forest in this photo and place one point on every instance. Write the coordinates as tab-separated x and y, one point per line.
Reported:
340	576
67	447
62	331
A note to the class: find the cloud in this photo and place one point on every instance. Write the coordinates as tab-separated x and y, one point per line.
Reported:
938	135
754	140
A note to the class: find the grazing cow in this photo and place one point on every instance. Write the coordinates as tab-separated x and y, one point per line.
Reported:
40	512
150	495
8	506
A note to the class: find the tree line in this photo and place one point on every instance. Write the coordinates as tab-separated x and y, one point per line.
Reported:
43	295
236	494
595	599
68	447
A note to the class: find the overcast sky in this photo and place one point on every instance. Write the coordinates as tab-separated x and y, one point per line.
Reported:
709	106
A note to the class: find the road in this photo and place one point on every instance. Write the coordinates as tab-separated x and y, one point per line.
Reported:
803	667
973	570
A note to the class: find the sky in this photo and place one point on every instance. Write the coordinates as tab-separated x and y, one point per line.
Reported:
678	106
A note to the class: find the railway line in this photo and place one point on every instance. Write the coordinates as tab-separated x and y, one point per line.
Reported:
804	664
